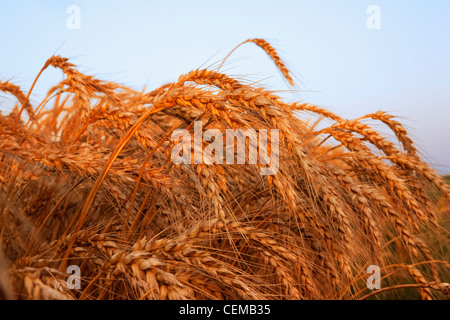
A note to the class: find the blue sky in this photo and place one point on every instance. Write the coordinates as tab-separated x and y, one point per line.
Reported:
339	63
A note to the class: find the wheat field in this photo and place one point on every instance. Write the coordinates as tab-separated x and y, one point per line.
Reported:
86	179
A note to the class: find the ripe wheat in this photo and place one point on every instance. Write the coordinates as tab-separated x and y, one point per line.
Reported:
86	179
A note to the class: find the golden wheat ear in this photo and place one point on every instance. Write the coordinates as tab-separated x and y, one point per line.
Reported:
15	91
271	52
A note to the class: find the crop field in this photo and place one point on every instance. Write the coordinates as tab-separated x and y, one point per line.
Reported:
88	187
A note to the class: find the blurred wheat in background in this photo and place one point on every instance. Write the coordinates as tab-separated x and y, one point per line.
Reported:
86	179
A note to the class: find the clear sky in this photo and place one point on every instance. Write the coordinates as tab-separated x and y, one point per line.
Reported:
339	63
